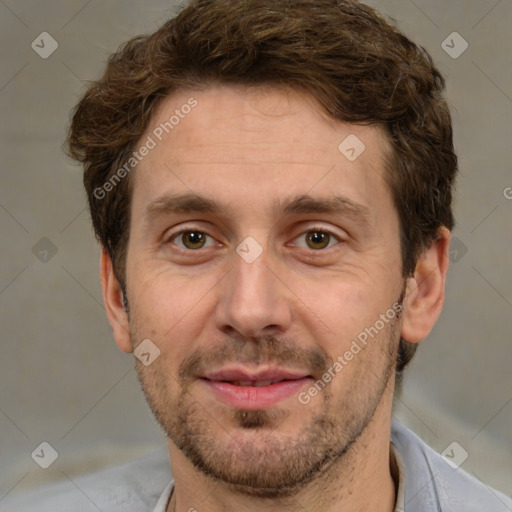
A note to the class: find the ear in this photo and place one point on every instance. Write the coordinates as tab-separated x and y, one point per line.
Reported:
113	300
425	290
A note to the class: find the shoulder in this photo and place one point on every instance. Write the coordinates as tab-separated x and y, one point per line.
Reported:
431	481
132	487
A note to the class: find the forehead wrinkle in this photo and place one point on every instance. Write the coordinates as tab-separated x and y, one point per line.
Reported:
269	162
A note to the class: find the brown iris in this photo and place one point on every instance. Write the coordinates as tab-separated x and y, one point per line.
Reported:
196	239
318	237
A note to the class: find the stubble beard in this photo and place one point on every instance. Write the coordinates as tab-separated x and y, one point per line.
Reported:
255	459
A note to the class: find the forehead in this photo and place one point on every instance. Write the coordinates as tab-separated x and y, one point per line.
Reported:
257	146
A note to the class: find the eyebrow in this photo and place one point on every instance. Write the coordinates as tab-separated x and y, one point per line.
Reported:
301	204
336	204
184	203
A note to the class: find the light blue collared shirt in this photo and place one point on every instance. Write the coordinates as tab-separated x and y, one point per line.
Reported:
426	483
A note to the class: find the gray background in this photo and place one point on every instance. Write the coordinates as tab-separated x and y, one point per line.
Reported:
62	378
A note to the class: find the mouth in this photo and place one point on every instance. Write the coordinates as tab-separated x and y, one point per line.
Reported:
252	383
242	389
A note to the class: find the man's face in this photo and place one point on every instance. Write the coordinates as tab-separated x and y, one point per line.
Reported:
284	305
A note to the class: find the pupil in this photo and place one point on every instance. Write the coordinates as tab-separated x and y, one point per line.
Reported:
195	238
318	237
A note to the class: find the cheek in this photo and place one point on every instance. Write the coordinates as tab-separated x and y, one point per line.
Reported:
343	309
355	329
170	309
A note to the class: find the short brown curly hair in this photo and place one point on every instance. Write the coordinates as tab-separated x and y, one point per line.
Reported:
358	67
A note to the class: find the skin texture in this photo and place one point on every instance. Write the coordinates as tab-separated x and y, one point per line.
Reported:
298	306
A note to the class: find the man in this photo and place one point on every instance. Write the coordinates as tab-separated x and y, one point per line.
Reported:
271	183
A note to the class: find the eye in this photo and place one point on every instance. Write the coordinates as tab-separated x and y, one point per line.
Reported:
318	238
191	239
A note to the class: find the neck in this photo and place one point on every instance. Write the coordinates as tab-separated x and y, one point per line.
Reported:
359	480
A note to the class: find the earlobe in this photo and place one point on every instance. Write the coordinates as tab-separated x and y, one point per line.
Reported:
425	290
114	306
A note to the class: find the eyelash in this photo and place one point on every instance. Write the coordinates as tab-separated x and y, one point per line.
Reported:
314	229
319	229
182	232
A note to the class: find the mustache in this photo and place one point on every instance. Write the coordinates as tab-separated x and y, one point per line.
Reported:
264	350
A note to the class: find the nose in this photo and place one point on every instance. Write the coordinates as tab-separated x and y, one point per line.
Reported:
254	299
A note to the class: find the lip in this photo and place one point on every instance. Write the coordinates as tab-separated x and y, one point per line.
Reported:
251	397
237	374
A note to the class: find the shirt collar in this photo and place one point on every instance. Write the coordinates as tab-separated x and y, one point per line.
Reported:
398	473
163	502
